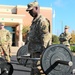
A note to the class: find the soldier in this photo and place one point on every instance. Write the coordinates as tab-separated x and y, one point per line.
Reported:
5	37
9	45
65	37
39	34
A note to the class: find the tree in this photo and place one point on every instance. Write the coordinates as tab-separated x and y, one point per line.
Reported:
73	38
55	39
25	31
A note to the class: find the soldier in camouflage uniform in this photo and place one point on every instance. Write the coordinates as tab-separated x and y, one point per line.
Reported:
65	37
5	37
9	45
39	35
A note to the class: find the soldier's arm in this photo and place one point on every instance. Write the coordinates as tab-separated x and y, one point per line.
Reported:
44	30
44	27
67	37
9	37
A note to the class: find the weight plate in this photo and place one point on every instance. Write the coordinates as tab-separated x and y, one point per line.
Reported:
7	69
23	50
49	57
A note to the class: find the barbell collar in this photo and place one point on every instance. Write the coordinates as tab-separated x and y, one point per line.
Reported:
34	59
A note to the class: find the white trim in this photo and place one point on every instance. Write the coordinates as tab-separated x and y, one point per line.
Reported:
12	15
15	20
5	10
21	6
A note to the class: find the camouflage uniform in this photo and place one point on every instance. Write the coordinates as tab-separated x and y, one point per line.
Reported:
4	40
65	38
39	35
39	38
9	45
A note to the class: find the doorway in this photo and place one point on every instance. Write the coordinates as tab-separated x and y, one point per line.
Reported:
12	31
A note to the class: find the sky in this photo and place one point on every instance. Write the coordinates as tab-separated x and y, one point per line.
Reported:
63	12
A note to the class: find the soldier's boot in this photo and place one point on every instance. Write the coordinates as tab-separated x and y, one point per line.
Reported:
41	71
7	58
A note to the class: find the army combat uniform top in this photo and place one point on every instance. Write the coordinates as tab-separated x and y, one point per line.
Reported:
39	35
65	39
5	38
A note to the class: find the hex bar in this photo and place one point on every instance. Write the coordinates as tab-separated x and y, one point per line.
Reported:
69	63
22	57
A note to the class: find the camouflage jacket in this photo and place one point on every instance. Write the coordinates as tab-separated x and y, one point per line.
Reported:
64	38
40	31
5	37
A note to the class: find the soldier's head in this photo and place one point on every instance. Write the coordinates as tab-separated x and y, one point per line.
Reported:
1	25
33	9
66	28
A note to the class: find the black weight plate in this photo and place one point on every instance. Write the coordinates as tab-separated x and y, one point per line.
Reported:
7	69
53	53
23	50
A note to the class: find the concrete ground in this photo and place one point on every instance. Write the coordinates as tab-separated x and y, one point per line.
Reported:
18	69
14	50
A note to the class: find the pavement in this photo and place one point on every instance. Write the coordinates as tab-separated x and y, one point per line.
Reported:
18	69
14	50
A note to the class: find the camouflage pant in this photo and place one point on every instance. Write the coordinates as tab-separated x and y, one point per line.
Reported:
35	50
9	47
4	49
68	46
36	68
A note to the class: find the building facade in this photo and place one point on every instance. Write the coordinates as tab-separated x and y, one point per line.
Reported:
15	17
